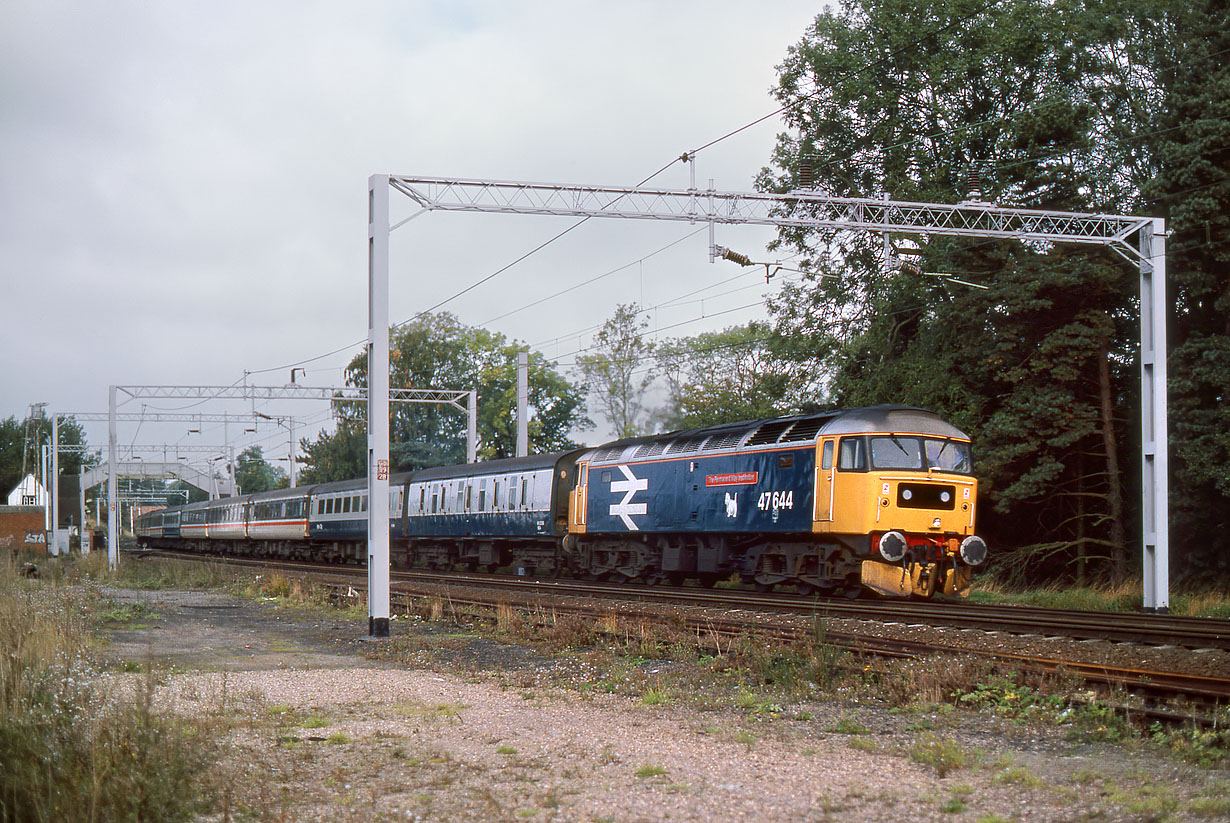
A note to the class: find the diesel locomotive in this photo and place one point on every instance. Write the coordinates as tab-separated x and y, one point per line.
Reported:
880	498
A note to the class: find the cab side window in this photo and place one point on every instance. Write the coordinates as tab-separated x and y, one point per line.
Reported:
826	457
852	455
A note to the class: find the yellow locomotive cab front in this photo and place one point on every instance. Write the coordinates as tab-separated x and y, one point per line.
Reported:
910	496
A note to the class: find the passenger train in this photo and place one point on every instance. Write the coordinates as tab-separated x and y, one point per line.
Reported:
880	498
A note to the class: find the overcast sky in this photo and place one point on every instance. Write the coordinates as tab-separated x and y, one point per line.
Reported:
183	184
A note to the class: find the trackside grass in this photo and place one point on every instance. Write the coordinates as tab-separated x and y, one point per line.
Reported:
75	743
1125	597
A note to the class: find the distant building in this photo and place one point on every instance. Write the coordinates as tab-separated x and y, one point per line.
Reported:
29	492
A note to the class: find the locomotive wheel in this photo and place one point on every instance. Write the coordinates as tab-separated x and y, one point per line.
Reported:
805	589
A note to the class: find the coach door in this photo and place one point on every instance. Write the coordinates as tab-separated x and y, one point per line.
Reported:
826	466
579	498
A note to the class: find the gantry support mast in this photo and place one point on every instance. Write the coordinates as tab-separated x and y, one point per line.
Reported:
1141	240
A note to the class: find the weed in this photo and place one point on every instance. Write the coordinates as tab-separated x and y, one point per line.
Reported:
314	721
508	619
70	750
953	805
337	739
863	744
654	697
1009	698
945	756
1019	776
846	725
1203	747
505	750
650	771
746	738
1211	803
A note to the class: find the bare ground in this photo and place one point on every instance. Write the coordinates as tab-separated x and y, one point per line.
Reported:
443	724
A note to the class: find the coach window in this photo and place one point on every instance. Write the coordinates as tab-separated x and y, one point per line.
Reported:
363	503
853	455
482	495
469	496
525	491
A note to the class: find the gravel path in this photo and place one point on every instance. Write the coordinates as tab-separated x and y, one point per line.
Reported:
318	731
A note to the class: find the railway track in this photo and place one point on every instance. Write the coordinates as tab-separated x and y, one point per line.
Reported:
718	615
1115	627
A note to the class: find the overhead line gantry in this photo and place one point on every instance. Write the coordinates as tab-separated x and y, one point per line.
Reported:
1140	240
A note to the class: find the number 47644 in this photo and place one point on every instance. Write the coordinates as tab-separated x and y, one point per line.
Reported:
776	500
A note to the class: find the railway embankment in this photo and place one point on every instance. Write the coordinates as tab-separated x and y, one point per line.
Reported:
456	719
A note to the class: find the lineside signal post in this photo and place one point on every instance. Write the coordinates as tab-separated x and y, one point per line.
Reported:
805	208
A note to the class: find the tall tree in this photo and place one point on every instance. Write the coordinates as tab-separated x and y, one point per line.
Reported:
894	98
619	369
1185	46
716	377
254	474
438	351
29	436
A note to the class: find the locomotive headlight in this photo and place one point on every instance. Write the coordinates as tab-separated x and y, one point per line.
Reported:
945	497
892	546
935	524
973	550
906	494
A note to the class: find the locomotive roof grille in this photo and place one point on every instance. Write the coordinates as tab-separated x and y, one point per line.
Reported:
723	441
651	449
686	444
804	430
607	455
770	432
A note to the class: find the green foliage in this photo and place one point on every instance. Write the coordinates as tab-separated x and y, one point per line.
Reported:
1008	698
619	369
1207	747
29	436
717	377
945	756
254	474
1047	101
848	725
1187	136
438	351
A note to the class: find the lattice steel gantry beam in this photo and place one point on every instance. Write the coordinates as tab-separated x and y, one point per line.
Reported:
293	391
1141	240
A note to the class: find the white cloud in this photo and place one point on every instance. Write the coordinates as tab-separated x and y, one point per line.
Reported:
182	184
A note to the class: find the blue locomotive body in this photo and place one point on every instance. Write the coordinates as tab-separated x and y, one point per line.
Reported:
758	492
